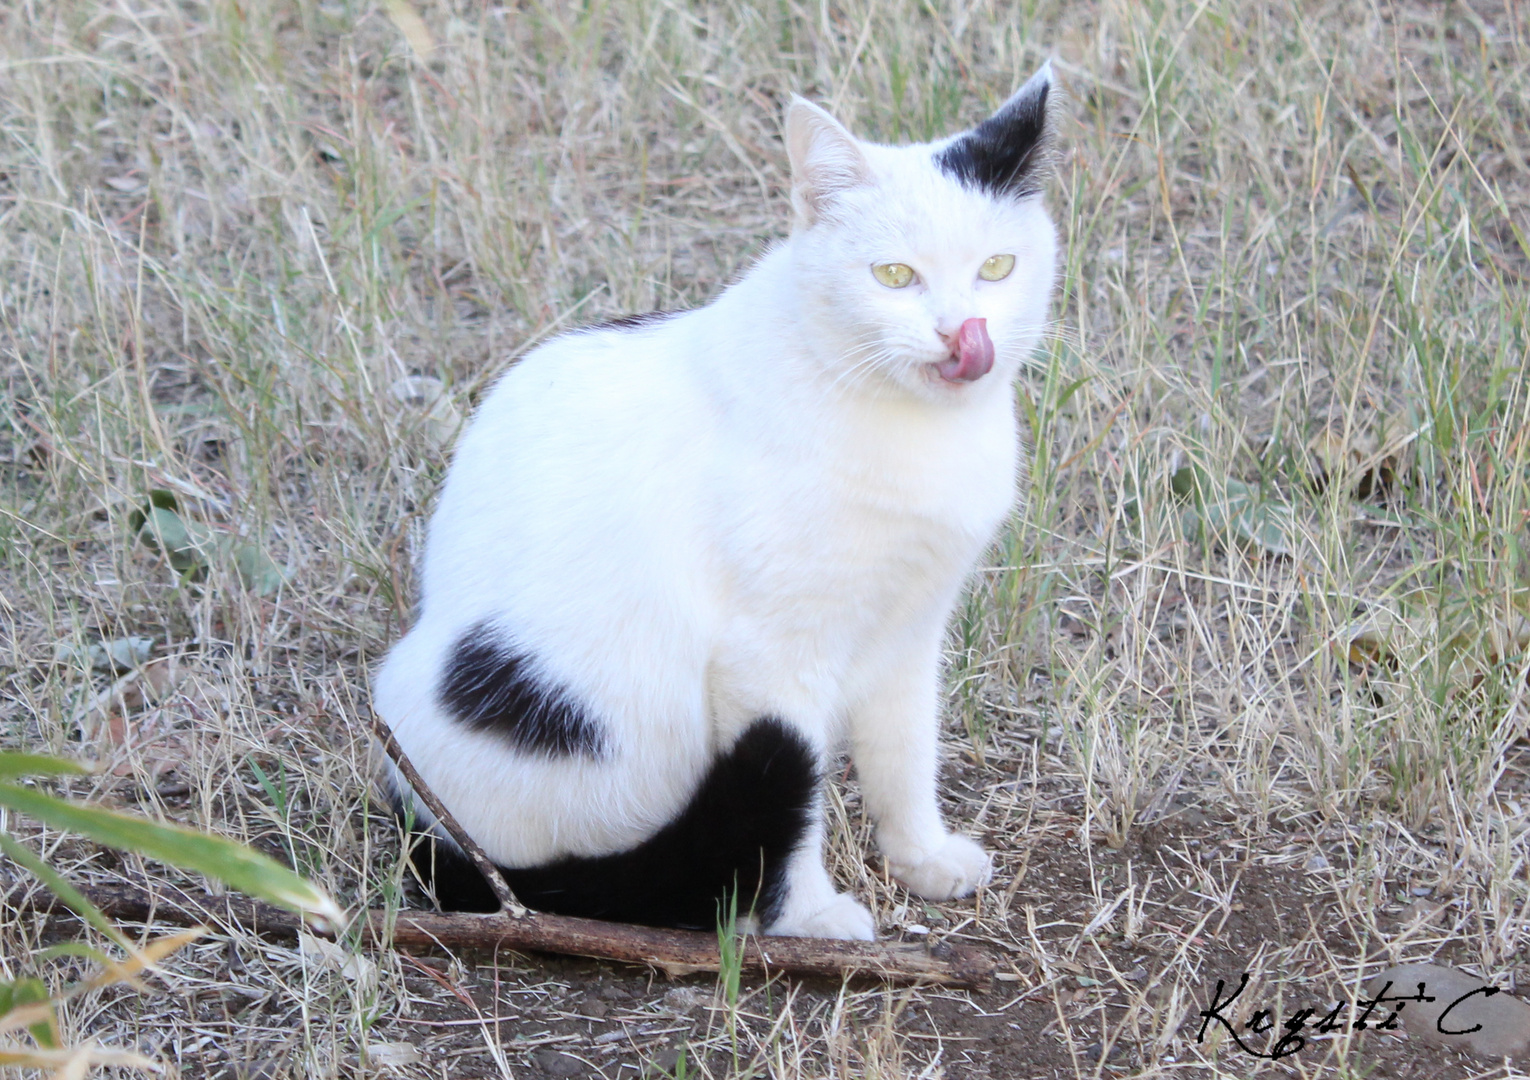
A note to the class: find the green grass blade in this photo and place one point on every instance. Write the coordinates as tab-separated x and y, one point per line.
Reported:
73	948
60	887
234	864
13	764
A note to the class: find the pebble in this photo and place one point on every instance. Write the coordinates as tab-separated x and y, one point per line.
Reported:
555	1064
393	1054
1501	1020
666	1059
258	1069
1095	1051
682	999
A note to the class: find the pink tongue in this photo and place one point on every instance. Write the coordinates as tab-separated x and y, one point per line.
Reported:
974	354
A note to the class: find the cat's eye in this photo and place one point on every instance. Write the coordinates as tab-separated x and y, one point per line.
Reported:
893	275
997	267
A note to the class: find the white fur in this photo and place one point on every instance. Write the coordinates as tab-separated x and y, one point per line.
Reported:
765	506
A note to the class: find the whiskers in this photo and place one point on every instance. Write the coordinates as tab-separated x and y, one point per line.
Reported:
872	350
1055	330
862	358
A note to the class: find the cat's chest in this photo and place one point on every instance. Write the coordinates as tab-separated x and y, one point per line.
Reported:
919	473
872	502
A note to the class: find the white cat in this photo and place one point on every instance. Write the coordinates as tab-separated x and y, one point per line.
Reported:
681	559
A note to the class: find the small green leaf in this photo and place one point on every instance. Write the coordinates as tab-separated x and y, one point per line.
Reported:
1185	482
119	654
1071	389
165	529
158	498
1232	510
181	543
277	795
160	525
20	993
256	569
13	764
1251	518
234	864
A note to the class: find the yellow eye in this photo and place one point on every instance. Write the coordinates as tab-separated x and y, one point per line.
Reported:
893	275
997	267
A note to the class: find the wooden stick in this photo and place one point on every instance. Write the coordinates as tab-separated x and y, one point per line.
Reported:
676	952
507	902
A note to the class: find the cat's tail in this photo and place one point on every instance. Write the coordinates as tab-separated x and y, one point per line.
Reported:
736	835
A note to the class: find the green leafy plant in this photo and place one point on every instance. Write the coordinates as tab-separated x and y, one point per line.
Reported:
1232	510
25	1003
190	546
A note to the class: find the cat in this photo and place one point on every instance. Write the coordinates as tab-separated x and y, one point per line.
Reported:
679	560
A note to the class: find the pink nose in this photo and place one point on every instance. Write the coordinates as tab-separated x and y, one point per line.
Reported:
971	353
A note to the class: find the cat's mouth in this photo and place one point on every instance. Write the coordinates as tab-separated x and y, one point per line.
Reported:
971	354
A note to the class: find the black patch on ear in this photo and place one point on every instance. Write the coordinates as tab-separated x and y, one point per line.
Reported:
736	835
1003	155
490	687
632	322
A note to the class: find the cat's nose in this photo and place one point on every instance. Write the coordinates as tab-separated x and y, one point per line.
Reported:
972	352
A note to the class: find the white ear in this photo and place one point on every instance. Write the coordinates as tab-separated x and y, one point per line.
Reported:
825	159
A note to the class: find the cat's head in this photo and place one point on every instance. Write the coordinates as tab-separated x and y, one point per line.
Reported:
927	267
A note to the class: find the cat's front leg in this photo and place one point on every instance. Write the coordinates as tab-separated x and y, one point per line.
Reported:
893	739
811	906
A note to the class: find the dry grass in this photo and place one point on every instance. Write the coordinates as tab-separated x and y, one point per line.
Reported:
228	230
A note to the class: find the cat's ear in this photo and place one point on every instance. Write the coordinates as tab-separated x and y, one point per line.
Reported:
826	159
1010	153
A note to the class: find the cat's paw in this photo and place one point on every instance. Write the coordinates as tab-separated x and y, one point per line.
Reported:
955	869
843	917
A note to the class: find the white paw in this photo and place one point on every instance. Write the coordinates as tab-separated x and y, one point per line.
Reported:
958	866
844	917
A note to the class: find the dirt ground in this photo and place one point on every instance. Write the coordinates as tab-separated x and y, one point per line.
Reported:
1109	959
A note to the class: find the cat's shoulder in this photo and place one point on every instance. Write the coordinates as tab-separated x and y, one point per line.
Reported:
613	357
629	324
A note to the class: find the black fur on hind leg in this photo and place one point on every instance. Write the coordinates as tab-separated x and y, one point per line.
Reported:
736	835
445	871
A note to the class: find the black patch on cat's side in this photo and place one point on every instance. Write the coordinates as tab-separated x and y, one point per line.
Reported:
737	832
1003	155
488	686
632	322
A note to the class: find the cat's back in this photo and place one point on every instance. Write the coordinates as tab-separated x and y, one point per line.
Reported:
586	445
590	388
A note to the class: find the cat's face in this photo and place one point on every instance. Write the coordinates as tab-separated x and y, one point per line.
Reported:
927	267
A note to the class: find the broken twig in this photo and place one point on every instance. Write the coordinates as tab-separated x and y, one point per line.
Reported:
508	904
676	952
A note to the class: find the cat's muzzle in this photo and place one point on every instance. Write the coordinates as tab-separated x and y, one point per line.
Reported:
971	354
